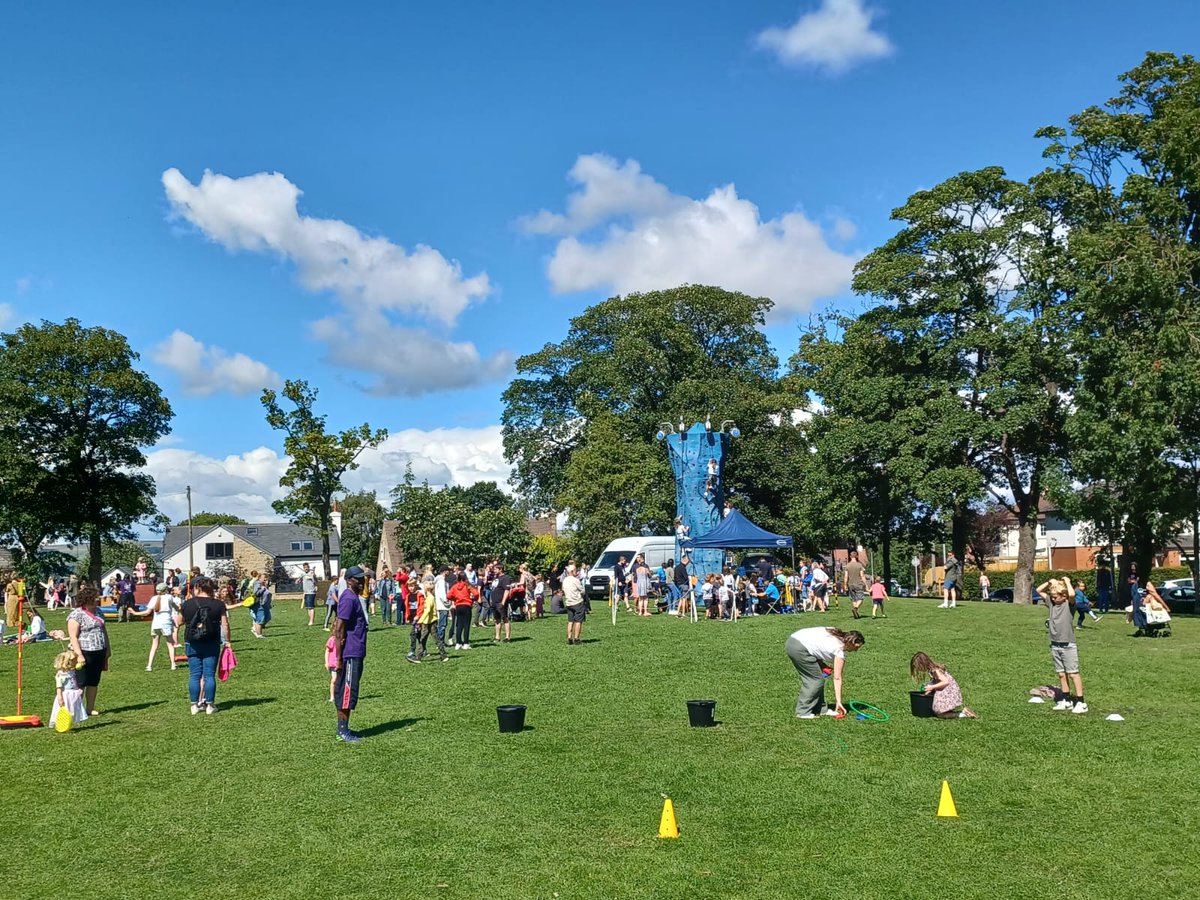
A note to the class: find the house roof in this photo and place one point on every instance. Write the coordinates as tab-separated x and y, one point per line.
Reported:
390	554
273	538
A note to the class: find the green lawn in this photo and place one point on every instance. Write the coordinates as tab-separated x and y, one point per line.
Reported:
259	800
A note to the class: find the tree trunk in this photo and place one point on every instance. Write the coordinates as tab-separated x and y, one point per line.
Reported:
1026	551
1137	546
887	555
329	573
959	526
94	572
1195	563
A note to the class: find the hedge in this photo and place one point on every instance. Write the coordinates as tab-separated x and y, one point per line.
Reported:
970	579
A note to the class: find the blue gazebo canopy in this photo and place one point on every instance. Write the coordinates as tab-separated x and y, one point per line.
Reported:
735	531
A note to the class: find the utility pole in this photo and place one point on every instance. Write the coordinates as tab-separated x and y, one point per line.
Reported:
191	546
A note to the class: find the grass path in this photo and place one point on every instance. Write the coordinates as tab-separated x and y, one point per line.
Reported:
259	801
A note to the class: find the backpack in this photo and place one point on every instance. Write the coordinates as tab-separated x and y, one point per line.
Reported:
202	628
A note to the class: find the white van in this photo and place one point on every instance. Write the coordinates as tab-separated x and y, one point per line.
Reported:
656	550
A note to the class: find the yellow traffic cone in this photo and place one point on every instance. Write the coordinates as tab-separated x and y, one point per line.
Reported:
667	826
946	803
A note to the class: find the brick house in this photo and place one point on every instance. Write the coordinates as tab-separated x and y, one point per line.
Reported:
281	549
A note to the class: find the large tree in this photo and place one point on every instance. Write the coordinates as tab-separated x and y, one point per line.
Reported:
442	527
79	413
974	290
213	518
362	527
1130	170
318	458
626	365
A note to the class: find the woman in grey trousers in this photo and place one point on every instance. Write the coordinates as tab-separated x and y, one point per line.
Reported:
813	651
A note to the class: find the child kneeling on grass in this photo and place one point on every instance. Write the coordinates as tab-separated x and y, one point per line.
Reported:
947	698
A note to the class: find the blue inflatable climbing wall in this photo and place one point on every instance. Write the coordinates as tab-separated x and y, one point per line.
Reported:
698	461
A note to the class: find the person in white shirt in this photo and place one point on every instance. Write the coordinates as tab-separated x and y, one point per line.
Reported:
442	603
575	604
817	653
819	587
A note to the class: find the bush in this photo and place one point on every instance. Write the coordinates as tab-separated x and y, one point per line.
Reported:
970	580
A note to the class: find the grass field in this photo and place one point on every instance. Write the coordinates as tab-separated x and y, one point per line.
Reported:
259	800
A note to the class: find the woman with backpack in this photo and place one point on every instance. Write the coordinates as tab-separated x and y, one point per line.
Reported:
206	624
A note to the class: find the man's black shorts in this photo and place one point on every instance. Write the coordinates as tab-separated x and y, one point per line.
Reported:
576	613
500	611
345	689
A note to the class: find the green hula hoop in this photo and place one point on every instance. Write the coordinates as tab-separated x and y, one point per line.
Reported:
867	711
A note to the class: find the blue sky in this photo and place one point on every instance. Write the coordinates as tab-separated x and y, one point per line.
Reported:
403	198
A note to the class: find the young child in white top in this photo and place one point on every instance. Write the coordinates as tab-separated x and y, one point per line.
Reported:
67	693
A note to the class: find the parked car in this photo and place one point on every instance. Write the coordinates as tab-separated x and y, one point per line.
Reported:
657	550
1176	583
1005	595
896	589
1179	599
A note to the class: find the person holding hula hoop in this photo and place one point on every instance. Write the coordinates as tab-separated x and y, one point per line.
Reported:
811	650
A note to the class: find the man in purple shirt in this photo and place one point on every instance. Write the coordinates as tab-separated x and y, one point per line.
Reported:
350	643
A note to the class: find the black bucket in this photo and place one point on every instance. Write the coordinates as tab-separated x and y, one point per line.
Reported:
922	704
512	718
701	713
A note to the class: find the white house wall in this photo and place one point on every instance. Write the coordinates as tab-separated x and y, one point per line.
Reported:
218	535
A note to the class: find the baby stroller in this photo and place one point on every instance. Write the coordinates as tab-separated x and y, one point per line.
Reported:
1158	622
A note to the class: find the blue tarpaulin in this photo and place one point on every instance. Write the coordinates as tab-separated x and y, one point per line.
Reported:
735	531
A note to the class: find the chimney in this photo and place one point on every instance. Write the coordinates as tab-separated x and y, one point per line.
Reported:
335	519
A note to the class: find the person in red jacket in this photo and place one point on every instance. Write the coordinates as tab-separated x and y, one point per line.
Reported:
462	595
402	614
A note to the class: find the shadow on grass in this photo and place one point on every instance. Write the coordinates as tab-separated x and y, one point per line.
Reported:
88	726
247	701
133	707
385	727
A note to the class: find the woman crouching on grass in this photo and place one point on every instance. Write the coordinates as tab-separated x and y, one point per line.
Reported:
811	650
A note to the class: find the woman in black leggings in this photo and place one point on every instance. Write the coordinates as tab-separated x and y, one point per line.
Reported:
461	594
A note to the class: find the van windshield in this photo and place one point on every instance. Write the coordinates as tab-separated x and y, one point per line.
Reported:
609	558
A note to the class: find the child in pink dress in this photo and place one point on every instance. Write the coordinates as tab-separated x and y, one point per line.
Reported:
947	698
331	664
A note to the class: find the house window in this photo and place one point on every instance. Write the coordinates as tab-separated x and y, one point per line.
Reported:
295	545
218	551
308	545
1042	530
251	531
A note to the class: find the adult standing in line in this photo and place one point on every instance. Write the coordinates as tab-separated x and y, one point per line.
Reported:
500	595
621	583
854	584
441	604
681	582
641	583
820	586
385	589
811	650
401	579
461	594
331	599
574	603
950	577
1104	586
350	650
308	586
206	625
89	640
12	604
261	610
162	626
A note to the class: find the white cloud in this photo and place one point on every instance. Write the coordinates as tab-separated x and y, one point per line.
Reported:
209	370
379	284
258	213
24	283
832	38
8	315
245	484
405	362
647	238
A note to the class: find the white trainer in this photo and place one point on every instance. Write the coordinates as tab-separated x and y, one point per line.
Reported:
1062	704
1080	707
807	716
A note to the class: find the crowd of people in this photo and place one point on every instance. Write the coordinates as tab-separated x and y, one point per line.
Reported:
190	616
